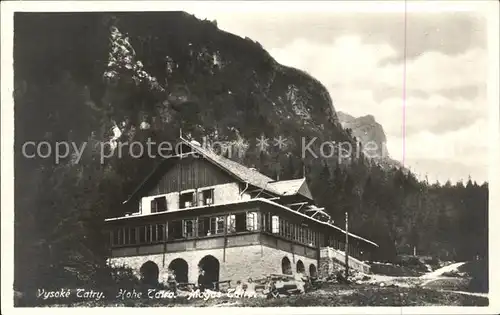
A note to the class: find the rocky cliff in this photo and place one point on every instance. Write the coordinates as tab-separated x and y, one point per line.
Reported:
369	132
366	129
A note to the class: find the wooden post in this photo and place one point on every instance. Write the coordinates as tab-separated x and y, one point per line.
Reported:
165	235
346	245
225	239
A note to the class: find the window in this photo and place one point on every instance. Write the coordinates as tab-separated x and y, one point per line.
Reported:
142	234
153	206
213	226
240	222
189	226
287	229
203	227
149	234
207	197
158	233
159	204
252	221
161	232
216	225
175	230
187	200
267	222
220	225
275	224
116	238
231	223
133	236
154	233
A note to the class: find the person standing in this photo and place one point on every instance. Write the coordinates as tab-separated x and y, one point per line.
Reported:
201	280
250	291
172	282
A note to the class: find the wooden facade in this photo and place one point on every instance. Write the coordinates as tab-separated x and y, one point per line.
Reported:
190	173
187	230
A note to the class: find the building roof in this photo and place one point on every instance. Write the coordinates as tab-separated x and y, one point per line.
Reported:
242	173
252	176
291	187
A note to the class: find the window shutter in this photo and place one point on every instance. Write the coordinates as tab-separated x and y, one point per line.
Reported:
153	206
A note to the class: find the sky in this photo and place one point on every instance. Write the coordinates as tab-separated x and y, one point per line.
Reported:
425	82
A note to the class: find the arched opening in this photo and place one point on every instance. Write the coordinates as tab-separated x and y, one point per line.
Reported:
149	273
180	268
300	267
286	266
312	271
210	265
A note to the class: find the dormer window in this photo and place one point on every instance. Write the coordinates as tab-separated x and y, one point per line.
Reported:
208	197
187	199
159	204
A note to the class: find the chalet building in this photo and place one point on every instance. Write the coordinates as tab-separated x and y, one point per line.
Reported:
201	210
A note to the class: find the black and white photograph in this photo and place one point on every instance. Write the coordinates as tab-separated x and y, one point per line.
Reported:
313	156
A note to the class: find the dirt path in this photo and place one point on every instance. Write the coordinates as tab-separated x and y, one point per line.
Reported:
438	272
411	281
485	295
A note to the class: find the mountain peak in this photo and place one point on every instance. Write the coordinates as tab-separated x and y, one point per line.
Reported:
368	131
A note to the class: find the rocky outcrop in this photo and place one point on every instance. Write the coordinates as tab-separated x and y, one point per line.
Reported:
368	131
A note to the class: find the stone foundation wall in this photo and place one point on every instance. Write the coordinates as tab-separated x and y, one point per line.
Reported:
240	263
332	260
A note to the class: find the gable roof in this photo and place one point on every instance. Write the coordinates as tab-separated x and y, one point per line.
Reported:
240	172
252	176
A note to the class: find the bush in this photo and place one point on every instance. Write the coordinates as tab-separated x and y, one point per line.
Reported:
433	262
393	270
415	264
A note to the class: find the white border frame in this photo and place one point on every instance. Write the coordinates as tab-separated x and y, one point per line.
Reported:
490	9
